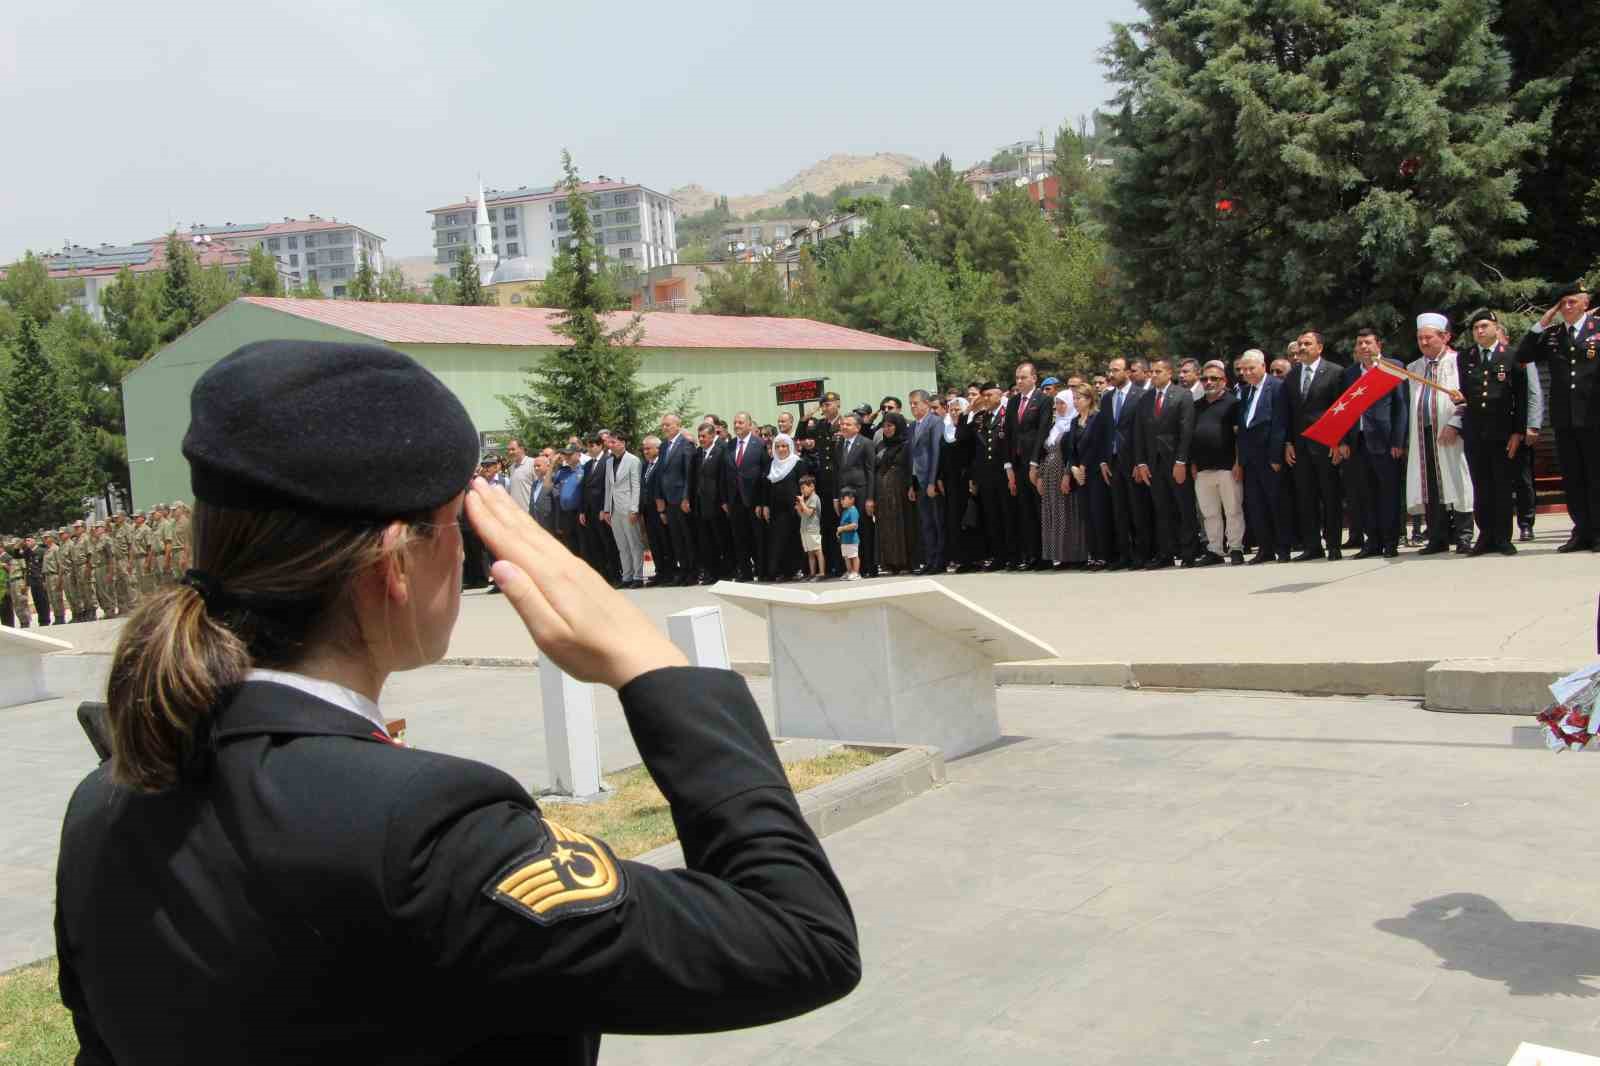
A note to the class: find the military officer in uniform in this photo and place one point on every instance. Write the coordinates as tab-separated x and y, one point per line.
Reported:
1567	339
17	584
300	861
71	584
180	538
7	616
144	554
816	438
83	567
1495	387
987	478
53	558
33	553
122	545
102	563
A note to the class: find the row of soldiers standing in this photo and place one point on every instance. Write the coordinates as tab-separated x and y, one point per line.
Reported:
85	571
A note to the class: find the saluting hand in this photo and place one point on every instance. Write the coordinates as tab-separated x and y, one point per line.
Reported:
583	625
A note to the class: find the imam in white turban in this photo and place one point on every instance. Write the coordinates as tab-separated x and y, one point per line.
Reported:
1433	320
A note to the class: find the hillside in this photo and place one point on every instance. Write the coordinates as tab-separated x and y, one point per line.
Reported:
820	178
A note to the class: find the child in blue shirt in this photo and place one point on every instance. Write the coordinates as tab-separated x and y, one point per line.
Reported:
849	534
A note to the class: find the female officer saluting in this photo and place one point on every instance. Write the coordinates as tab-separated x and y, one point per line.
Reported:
258	875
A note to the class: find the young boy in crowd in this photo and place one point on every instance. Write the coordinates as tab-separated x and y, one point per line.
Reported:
849	534
810	526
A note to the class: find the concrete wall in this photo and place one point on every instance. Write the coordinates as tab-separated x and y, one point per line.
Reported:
156	395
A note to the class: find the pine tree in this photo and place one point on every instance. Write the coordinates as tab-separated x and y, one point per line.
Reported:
309	289
87	357
180	299
260	275
744	289
594	382
45	472
469	288
1325	164
364	285
132	308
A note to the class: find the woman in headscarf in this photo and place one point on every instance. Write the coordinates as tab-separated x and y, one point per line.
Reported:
1047	470
784	557
897	524
1089	499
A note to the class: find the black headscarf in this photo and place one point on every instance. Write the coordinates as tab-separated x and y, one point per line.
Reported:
889	447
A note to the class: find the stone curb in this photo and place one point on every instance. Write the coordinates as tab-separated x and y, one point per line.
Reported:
1492	686
855	797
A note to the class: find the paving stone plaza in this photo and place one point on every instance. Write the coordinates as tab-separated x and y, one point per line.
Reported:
1141	876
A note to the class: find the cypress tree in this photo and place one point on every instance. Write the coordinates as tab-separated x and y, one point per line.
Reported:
180	297
469	288
1317	163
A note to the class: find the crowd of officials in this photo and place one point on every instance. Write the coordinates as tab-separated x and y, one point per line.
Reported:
1146	465
92	570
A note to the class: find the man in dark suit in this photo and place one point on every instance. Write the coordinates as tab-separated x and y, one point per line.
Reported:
650	514
672	495
713	540
855	467
986	475
1312	387
1263	430
1372	457
599	550
1495	387
1130	500
1567	339
927	438
746	463
1162	430
816	438
1027	412
541	497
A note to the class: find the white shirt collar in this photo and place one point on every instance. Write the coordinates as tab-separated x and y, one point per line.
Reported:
326	691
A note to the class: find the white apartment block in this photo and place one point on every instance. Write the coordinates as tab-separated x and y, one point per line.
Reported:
318	249
632	225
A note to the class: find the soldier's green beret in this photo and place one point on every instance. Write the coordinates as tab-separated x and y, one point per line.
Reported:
356	430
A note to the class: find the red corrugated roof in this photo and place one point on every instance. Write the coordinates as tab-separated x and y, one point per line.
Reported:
529	327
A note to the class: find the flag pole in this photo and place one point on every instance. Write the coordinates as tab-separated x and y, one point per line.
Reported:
1402	372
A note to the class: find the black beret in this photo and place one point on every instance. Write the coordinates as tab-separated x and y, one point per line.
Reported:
348	429
1577	288
987	385
1482	315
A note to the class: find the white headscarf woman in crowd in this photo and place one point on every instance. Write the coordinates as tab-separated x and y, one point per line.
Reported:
784	558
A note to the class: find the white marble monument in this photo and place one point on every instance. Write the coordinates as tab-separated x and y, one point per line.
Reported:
907	662
571	735
22	653
699	634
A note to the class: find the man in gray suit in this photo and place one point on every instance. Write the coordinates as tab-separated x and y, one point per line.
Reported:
856	467
927	437
621	511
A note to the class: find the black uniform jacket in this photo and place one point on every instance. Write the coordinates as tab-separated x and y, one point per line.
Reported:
325	896
1574	370
1496	390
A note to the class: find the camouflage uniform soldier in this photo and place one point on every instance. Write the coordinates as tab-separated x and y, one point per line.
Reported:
17	583
122	544
54	577
144	551
82	568
180	539
69	575
102	562
166	550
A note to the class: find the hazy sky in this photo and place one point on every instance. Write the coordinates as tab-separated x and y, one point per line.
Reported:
122	119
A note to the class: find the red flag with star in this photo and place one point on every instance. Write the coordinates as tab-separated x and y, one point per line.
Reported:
1365	391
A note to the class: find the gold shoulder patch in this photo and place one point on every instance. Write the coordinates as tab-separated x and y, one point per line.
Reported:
570	875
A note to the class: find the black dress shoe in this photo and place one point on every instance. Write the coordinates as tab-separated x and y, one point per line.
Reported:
1434	549
1259	558
1483	547
1040	565
1353	542
991	567
1334	555
1209	559
1573	545
1526	534
968	568
1369	552
1391	552
1283	557
1158	564
1095	566
1236	557
1464	547
1308	557
1507	548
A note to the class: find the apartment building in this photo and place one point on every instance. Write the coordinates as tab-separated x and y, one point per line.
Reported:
324	250
633	224
90	270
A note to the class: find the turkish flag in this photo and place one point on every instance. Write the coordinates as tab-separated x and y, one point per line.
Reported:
1365	391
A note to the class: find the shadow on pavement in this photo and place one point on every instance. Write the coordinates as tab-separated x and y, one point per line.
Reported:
1472	933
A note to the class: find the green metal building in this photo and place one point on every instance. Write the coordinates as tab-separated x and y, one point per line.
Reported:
481	353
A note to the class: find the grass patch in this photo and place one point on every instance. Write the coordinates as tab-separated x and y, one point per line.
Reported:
35	1030
634	818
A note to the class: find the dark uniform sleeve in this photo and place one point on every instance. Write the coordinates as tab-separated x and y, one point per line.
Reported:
540	925
92	1050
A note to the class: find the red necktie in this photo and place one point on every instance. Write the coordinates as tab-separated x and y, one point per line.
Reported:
1162	395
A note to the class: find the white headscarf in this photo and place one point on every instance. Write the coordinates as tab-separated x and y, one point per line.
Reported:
781	467
953	411
1059	426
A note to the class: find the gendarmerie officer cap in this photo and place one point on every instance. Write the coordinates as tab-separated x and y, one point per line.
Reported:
1482	315
347	429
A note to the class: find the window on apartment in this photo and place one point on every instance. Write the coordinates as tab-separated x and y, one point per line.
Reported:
511	250
516	297
311	240
511	231
454	238
294	242
508	214
272	245
561	207
338	291
491	214
311	259
294	260
624	253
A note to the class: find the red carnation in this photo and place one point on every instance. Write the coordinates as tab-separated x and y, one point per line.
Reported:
1410	167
